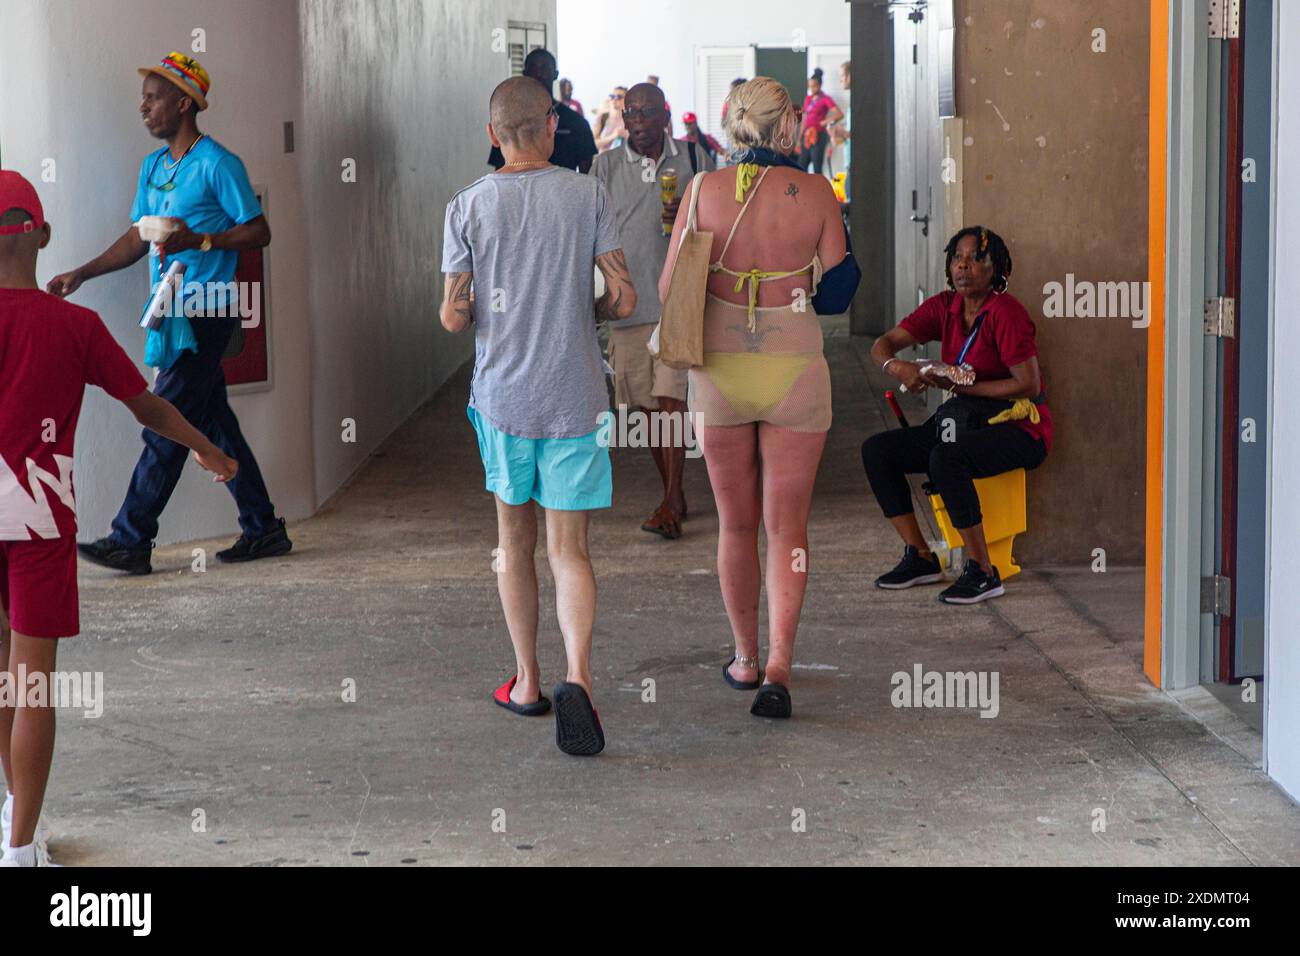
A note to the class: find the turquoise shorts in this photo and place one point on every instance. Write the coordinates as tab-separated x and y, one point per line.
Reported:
562	474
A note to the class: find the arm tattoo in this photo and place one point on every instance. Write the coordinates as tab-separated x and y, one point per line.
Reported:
792	190
459	288
613	266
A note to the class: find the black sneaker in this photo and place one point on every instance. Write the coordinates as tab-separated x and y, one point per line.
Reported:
111	553
973	586
248	548
913	569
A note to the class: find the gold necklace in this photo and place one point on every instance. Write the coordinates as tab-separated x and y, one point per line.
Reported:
167	165
532	162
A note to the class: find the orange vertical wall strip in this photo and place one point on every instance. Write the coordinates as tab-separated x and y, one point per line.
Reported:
1157	194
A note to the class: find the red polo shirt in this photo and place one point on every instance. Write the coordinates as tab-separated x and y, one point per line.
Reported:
1005	338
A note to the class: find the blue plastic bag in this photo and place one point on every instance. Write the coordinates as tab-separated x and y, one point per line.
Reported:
164	345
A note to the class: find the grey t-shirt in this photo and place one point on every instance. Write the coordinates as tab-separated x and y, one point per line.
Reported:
633	184
530	240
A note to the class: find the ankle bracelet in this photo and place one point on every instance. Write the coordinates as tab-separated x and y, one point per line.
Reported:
747	661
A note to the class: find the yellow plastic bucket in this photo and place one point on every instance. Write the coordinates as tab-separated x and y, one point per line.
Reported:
1002	503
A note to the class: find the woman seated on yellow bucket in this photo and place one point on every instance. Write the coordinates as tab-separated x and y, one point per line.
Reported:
998	424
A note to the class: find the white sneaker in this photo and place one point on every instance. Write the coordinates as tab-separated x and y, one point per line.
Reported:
6	820
31	855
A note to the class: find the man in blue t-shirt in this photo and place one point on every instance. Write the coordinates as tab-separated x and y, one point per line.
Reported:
203	189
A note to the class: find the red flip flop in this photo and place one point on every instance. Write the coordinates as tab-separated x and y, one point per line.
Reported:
501	697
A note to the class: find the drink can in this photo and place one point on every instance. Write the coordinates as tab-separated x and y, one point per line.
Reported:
668	193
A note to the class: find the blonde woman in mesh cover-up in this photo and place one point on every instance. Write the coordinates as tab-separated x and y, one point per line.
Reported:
763	395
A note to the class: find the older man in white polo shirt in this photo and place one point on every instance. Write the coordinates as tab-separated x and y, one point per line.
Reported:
631	176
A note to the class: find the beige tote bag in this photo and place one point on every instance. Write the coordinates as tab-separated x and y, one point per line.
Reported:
679	339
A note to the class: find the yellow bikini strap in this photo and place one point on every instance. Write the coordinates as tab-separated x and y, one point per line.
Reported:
754	277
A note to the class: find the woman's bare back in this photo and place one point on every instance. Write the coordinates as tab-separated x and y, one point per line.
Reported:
792	216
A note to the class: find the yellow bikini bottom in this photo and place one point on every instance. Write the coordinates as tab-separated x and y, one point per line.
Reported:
791	390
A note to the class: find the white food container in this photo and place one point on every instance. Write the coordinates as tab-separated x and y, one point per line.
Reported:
155	228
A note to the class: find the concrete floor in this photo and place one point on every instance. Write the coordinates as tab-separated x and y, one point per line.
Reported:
225	696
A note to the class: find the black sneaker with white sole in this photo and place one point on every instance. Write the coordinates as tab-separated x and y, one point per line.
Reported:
973	586
913	569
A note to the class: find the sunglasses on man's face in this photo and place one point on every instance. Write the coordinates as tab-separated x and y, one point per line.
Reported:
640	112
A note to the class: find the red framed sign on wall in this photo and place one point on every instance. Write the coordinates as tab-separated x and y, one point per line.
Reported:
247	363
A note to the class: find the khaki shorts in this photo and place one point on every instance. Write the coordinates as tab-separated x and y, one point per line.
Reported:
640	379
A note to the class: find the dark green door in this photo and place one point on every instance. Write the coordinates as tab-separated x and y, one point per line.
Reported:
787	66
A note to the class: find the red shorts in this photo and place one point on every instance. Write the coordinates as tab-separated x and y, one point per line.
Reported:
38	585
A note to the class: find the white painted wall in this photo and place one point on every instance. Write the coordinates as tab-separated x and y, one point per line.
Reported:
401	87
71	93
604	44
1282	623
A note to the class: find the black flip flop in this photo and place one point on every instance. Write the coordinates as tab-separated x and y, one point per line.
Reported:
577	725
772	700
501	697
740	684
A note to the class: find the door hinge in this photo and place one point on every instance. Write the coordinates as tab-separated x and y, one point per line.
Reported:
1225	19
1216	595
1221	317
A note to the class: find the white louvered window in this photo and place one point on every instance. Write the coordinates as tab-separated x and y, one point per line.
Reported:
522	39
715	68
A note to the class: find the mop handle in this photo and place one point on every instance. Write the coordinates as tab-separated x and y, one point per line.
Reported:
897	409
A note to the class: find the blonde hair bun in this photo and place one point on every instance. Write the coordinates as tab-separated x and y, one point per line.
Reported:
760	115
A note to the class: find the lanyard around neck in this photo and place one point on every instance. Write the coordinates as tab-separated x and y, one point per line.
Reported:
970	339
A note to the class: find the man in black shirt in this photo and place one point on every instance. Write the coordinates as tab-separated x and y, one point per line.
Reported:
574	145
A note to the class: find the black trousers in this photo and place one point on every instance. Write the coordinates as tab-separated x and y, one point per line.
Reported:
812	158
891	456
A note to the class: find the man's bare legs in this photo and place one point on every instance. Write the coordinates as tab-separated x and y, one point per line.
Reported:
26	733
789	470
517	585
671	461
575	589
732	457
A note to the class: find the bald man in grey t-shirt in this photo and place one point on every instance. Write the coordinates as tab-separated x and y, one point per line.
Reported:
518	248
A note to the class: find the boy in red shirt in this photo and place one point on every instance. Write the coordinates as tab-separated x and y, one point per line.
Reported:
49	351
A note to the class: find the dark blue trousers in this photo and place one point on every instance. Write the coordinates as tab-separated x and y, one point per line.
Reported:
196	385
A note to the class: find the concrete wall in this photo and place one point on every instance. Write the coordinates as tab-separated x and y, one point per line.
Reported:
77	103
401	88
1055	160
1282	625
604	44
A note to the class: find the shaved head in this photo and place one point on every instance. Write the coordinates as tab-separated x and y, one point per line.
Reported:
519	111
645	117
646	95
540	65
